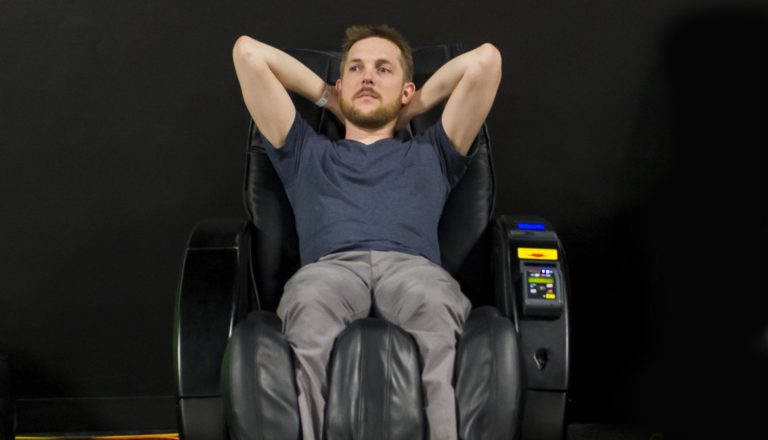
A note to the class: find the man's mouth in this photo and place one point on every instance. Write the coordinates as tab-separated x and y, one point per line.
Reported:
367	94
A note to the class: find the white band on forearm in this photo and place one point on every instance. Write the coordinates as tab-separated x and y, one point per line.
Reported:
326	96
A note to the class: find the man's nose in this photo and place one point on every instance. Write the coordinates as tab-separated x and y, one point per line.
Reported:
367	77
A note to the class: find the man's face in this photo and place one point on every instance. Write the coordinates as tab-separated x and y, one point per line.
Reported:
372	85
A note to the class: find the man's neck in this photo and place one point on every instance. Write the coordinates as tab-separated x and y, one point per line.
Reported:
368	136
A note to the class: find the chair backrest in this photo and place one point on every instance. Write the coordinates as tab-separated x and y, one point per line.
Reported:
464	245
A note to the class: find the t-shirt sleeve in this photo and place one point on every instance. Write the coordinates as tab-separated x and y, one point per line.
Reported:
286	159
455	164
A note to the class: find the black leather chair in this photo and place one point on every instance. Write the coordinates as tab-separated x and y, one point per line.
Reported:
511	373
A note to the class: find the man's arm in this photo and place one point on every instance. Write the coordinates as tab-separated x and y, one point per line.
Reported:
266	74
469	82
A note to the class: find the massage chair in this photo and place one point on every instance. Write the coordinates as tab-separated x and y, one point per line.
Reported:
234	368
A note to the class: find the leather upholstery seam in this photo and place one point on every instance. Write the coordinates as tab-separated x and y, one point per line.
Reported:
259	415
494	369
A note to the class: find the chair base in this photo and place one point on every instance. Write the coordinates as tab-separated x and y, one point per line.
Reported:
201	418
544	415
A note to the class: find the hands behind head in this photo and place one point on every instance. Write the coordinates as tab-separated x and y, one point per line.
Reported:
334	103
409	111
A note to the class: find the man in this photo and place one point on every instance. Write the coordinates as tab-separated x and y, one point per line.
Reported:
367	206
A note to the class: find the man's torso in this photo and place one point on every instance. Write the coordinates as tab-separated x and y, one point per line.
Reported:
388	195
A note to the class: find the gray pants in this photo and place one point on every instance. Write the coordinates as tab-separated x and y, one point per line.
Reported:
407	290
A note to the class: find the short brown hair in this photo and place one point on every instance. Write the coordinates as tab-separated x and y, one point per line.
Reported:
360	32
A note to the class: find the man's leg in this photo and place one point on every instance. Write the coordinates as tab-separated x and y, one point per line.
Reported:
422	298
318	302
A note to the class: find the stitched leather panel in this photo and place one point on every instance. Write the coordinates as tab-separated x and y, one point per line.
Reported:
487	377
374	389
258	384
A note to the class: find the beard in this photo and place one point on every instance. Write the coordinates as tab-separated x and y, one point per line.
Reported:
384	114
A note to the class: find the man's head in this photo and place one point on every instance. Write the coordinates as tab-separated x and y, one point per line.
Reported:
376	71
360	32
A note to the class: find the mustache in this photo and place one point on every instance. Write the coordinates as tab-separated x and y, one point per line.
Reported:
369	91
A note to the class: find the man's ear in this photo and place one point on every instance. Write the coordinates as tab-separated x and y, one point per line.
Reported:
338	85
409	89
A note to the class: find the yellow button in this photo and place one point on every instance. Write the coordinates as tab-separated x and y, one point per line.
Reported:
537	254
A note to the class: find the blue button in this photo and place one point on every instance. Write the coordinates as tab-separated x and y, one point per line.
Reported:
531	226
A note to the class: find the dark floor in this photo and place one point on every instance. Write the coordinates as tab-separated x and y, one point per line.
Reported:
609	432
575	432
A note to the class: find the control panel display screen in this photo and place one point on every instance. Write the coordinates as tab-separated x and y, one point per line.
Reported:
541	283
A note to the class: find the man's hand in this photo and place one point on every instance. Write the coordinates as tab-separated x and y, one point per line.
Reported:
409	111
334	103
469	82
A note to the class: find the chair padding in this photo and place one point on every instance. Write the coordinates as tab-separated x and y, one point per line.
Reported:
374	389
275	244
487	377
259	387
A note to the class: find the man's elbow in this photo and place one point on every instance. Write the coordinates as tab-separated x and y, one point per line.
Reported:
245	48
489	57
485	68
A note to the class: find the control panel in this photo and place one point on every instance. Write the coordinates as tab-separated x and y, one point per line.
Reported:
541	289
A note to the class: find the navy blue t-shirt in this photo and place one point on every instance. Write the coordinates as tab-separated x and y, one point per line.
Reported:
385	196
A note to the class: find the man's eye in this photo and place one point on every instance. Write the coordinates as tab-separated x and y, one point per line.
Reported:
354	68
385	69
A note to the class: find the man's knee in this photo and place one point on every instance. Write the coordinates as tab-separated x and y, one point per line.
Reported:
321	293
440	296
434	303
308	286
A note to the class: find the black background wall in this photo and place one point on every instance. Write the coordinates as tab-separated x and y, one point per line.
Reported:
634	127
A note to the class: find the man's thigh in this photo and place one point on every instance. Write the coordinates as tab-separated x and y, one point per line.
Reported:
333	290
412	291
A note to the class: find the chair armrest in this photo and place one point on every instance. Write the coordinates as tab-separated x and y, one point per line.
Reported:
213	294
522	244
544	339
